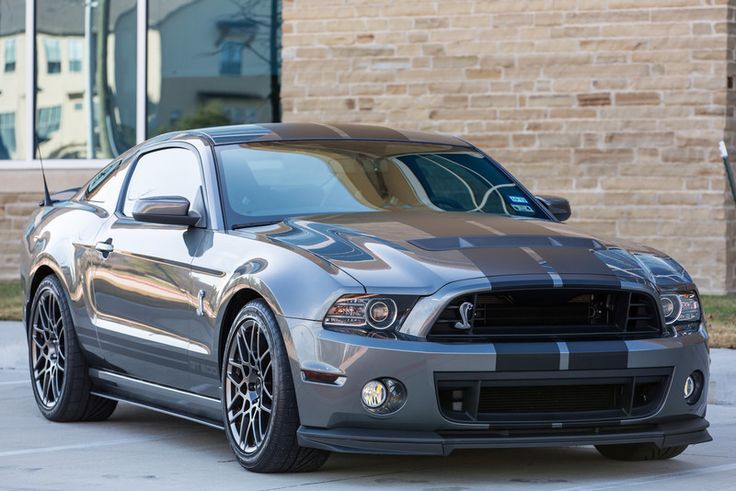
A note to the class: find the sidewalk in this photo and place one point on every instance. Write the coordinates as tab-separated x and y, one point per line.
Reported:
722	389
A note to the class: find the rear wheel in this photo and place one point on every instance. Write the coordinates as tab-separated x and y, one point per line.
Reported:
60	381
639	451
259	404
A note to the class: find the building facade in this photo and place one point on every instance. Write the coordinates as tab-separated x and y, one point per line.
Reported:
616	104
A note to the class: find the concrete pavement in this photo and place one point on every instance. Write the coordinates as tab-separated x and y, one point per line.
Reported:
141	449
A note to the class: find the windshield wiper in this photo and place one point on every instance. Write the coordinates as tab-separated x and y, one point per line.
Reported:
260	223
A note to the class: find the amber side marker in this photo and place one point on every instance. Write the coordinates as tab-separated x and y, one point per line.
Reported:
322	377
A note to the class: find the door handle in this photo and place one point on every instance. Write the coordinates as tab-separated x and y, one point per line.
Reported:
105	247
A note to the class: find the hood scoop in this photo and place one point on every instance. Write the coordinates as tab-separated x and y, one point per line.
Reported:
491	241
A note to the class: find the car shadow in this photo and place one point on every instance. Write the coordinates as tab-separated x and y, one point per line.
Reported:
558	467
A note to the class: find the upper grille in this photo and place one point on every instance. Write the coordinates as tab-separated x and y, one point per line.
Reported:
549	314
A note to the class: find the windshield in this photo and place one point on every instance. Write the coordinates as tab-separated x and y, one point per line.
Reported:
279	179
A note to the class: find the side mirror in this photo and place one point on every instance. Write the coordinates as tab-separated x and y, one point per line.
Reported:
168	210
559	207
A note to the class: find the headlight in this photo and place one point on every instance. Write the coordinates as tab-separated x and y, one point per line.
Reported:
369	312
681	310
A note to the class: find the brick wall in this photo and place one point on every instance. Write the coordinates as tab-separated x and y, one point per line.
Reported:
20	192
615	104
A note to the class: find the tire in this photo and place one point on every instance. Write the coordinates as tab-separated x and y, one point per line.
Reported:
257	387
59	376
639	451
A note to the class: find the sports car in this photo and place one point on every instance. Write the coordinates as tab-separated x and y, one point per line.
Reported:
314	288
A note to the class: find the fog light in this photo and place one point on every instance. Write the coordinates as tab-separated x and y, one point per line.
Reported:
374	394
693	387
689	387
383	396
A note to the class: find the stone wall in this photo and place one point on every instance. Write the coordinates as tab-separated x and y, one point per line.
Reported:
615	104
20	193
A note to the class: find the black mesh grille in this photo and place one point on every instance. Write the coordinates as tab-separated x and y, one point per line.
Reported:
542	399
556	314
573	396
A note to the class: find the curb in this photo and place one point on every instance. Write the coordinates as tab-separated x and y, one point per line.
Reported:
722	387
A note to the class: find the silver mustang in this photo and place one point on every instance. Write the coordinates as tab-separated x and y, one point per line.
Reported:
312	288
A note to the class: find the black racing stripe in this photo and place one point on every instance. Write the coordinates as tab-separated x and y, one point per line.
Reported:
572	260
302	131
521	282
370	132
503	261
533	241
527	356
433	138
590	281
594	355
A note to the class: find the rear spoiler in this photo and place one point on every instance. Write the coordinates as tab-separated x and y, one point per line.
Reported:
64	195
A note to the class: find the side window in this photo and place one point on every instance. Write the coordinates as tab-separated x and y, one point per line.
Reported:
167	172
104	188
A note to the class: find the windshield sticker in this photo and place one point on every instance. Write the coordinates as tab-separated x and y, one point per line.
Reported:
523	208
518	199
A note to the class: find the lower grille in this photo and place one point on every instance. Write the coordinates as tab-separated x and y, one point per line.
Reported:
558	314
573	396
555	398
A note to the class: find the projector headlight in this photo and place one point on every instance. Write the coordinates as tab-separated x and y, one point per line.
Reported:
682	311
369	312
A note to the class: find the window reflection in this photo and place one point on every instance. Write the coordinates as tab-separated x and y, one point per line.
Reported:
85	108
212	62
12	80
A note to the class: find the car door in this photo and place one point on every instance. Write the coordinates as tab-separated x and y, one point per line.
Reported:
144	309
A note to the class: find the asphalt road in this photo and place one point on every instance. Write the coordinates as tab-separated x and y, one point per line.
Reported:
140	449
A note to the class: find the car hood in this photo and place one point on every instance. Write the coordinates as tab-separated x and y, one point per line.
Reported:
419	252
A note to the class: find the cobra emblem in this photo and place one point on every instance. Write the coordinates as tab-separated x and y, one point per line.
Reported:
466	316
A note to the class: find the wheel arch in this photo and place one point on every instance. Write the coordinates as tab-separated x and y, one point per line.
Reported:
43	270
235	302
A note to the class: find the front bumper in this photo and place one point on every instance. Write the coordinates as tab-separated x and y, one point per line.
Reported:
333	417
356	440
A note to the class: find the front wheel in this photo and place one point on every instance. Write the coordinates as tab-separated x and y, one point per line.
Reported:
639	451
259	405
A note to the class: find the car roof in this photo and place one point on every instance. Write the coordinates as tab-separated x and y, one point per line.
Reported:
244	133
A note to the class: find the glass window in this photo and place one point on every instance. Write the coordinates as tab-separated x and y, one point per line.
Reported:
75	55
7	133
48	121
13	110
168	172
104	188
230	58
53	55
100	124
276	180
9	55
195	48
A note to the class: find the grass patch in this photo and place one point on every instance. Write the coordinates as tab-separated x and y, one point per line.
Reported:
720	311
11	300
